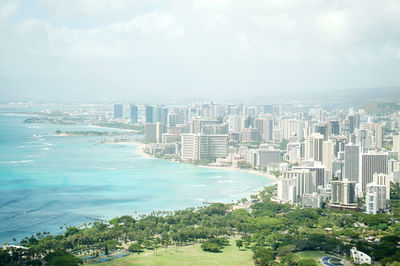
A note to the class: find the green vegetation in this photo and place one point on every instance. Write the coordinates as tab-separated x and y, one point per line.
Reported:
215	244
283	145
136	128
382	107
244	165
86	133
276	173
270	233
188	255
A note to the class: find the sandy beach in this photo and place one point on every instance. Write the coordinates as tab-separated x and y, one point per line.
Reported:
122	129
226	168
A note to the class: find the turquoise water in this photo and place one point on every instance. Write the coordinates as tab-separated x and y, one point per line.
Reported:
48	181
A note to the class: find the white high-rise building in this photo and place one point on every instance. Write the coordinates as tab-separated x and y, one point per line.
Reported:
305	181
293	151
236	123
352	162
154	131
313	147
266	126
197	147
375	198
287	190
384	180
396	145
291	127
372	163
327	155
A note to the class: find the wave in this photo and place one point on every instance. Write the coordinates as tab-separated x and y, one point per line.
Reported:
45	149
200	185
226	181
215	177
15	162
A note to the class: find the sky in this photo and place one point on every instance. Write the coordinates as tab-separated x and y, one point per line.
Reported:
167	49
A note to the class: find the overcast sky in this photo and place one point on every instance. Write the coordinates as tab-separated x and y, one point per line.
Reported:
125	49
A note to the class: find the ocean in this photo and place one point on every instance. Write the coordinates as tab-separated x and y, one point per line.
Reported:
48	182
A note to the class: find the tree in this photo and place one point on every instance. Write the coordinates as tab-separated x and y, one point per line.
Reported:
135	248
262	256
239	243
61	258
67	260
290	259
211	247
282	251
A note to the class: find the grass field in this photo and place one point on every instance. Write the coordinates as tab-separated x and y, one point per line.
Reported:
315	255
188	255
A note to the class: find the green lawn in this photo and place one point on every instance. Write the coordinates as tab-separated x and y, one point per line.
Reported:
315	255
188	255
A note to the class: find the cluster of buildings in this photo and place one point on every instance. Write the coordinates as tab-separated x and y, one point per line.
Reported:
342	159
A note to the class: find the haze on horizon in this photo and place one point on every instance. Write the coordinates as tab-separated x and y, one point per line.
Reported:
122	49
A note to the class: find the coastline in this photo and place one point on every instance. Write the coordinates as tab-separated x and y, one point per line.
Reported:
226	168
122	129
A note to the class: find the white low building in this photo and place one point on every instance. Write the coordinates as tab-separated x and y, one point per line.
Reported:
359	257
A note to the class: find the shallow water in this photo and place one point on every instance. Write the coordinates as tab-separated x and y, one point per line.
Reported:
49	181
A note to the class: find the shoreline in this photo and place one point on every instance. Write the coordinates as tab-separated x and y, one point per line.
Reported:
225	168
122	129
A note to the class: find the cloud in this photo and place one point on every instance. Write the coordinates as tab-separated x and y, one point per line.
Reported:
183	44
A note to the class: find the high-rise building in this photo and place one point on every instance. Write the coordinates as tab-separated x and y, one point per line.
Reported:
384	180
198	147
333	127
379	135
161	115
352	162
118	110
396	145
149	113
372	163
251	135
291	127
197	125
212	129
344	194
236	123
153	132
340	141
293	151
322	129
134	114
287	190
318	169
173	119
266	127
313	147
375	198
361	138
305	181
327	155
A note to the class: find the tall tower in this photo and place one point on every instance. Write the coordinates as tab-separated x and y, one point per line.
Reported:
352	162
134	116
118	110
313	147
